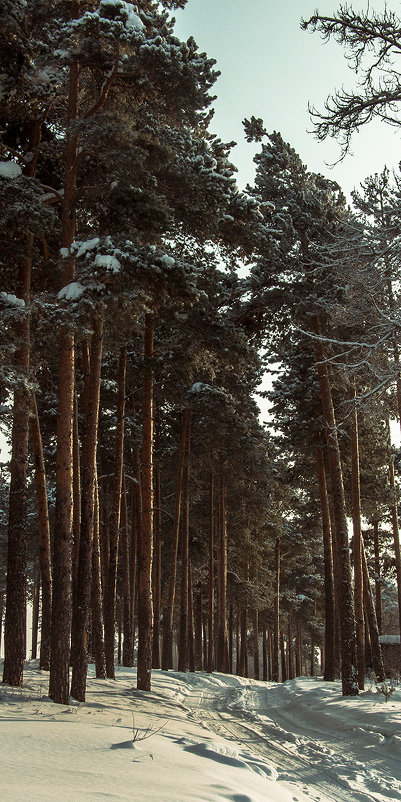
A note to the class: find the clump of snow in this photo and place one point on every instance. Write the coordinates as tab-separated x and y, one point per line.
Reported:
10	169
109	262
74	290
132	20
83	247
11	299
389	638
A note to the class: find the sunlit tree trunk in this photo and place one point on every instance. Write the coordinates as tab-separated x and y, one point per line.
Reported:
210	651
357	549
378	589
157	559
329	590
276	612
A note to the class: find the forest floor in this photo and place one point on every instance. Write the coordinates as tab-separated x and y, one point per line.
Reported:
210	738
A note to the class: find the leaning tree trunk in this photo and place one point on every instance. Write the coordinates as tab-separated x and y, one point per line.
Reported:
145	546
346	602
35	612
329	591
114	523
168	614
357	548
89	450
44	537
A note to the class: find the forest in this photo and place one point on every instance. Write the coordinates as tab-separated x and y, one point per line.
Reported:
148	515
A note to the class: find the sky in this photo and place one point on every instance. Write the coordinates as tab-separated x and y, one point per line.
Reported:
272	69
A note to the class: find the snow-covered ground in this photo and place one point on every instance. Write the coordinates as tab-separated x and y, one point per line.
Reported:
212	737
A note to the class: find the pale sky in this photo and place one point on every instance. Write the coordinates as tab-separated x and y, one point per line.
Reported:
272	69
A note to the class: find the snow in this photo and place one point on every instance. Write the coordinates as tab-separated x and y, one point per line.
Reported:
212	737
71	291
10	169
11	299
167	260
389	638
132	21
109	262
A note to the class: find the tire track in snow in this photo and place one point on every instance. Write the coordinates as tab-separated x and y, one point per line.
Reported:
301	763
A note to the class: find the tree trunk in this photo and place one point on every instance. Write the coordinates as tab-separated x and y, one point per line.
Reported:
210	651
157	551
283	660
329	590
128	641
377	658
168	615
114	522
184	619
191	637
35	613
44	537
199	661
89	450
264	654
276	613
395	527
357	548
97	606
62	592
15	614
145	550
291	670
256	644
222	634
378	587
15	622
244	643
348	633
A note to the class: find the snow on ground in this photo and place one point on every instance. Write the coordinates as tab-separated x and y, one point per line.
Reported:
211	738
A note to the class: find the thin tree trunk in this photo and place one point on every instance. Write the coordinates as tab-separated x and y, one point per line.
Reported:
35	613
114	522
347	622
168	615
283	660
198	631
264	654
291	670
329	589
357	548
76	525
256	644
191	638
97	606
157	566
128	641
222	634
145	550
44	537
136	528
210	651
276	612
183	630
377	658
395	527
378	587
89	450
